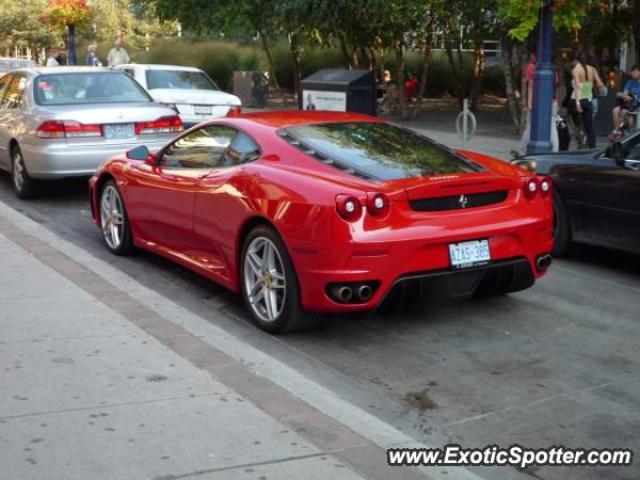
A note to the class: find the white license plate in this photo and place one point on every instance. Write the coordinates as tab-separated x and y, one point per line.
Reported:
119	130
469	254
203	109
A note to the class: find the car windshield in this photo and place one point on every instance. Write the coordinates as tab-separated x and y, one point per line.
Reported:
87	88
183	79
378	150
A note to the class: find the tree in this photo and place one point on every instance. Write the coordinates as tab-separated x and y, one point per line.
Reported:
219	16
68	14
21	25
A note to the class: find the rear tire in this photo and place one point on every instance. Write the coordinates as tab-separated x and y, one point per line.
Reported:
114	221
23	185
269	285
561	227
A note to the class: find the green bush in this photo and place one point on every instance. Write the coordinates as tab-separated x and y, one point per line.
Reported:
220	58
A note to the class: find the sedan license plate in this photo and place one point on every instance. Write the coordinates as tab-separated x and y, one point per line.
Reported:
203	109
469	254
119	130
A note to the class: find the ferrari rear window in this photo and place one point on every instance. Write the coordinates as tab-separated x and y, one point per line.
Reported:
377	150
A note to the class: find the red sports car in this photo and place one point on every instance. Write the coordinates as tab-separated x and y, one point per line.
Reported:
318	212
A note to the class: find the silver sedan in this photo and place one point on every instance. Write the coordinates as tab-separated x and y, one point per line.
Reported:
62	122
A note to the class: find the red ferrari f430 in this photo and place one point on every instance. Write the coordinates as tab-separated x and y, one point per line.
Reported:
322	212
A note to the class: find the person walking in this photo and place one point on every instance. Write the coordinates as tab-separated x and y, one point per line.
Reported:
52	57
92	58
526	135
117	55
584	78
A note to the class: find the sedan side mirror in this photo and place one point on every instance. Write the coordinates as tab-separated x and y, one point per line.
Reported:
143	154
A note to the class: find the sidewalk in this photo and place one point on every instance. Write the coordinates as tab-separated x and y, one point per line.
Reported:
96	385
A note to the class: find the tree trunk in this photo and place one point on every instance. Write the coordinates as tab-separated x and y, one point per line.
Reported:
636	28
272	65
506	64
345	52
523	89
478	70
294	46
456	70
426	57
403	105
355	58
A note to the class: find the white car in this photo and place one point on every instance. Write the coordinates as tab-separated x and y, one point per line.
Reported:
193	94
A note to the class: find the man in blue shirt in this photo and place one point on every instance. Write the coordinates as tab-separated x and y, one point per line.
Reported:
628	99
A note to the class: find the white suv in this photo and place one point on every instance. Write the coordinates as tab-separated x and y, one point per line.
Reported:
190	91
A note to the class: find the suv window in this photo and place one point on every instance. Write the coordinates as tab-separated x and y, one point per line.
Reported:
202	148
14	95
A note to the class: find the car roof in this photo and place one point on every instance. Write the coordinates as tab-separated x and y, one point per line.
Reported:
64	69
158	66
291	118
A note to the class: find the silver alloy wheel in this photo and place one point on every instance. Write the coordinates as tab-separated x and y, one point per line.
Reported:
18	171
264	279
112	217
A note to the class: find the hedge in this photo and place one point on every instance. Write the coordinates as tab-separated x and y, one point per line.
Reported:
220	58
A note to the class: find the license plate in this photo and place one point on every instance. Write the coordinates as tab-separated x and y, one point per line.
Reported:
469	254
203	109
120	130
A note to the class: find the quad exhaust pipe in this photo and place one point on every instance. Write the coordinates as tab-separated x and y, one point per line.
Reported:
364	293
543	262
344	294
353	293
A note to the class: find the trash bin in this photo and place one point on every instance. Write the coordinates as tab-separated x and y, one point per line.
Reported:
251	87
339	90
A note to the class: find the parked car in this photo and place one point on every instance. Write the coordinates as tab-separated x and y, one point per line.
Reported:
189	90
326	212
65	121
9	63
597	195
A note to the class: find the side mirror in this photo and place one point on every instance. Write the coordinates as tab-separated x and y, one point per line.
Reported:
143	154
615	152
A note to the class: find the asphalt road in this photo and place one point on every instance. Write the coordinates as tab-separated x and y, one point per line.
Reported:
555	365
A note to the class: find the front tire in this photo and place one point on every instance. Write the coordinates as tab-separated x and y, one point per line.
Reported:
23	185
561	227
114	221
269	285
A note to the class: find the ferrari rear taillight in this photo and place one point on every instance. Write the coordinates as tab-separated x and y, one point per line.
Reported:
534	185
348	207
531	187
67	129
545	186
377	204
167	124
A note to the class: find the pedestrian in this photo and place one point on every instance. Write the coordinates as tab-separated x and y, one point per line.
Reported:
53	57
593	61
411	87
584	78
526	135
627	101
92	58
117	55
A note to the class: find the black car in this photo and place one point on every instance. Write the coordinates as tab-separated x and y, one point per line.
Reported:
596	194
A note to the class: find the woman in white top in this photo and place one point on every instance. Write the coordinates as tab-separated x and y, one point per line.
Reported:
584	78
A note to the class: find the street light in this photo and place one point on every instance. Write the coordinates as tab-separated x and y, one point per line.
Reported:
543	85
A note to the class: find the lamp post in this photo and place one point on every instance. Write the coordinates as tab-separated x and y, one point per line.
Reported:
71	45
543	85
